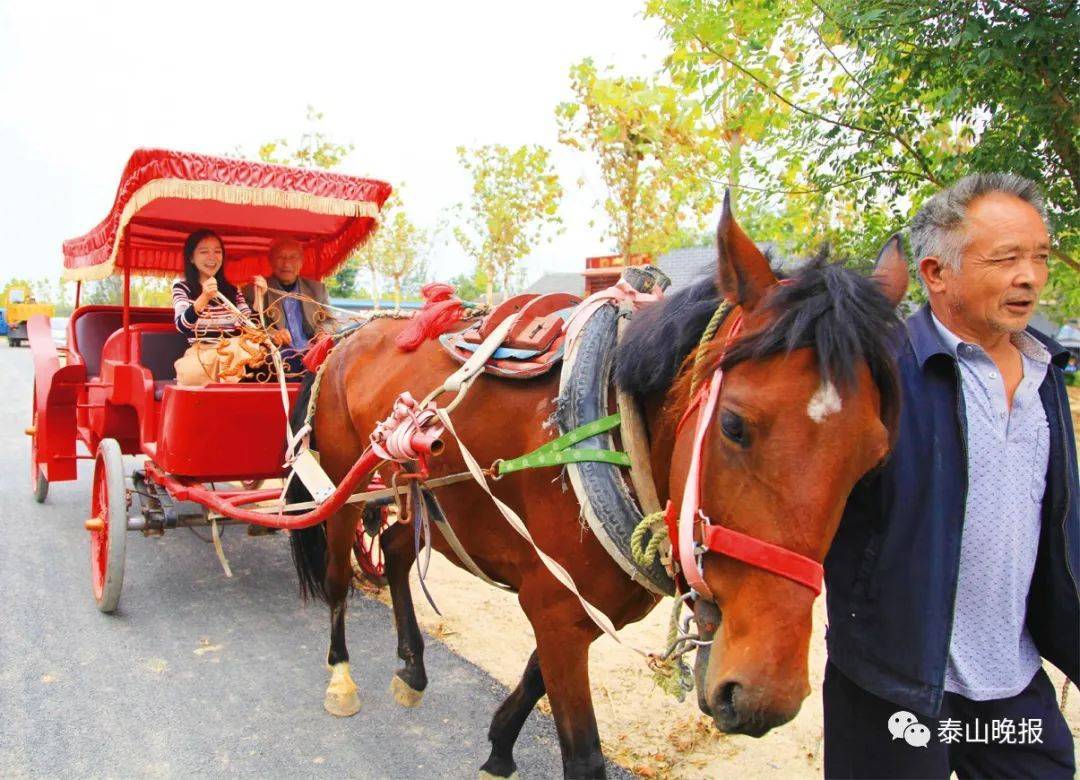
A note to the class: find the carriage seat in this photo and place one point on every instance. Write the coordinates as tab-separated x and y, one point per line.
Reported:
533	346
91	327
158	352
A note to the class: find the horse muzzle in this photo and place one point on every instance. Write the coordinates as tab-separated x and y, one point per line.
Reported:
734	706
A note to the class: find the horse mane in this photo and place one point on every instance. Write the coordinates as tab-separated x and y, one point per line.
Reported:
661	336
840	313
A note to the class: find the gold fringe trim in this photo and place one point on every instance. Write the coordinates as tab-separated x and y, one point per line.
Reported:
223	193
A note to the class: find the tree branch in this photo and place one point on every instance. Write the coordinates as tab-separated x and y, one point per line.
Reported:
818	190
929	174
1060	255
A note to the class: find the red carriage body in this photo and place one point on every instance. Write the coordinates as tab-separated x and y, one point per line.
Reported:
118	381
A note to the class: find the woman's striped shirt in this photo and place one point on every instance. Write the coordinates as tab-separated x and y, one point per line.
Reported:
216	320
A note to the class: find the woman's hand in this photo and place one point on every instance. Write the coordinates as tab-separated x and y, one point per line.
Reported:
281	337
209	290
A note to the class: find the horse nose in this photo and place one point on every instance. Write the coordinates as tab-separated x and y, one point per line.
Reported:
725	709
735	712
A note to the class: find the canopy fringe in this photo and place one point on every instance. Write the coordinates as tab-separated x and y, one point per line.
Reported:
223	193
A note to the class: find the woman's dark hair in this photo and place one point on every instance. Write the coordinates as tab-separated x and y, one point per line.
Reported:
191	273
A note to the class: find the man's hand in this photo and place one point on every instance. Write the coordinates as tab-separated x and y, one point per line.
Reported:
281	337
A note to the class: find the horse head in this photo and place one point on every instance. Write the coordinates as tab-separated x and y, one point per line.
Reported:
804	406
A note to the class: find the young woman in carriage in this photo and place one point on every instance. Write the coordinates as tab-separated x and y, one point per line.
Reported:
199	302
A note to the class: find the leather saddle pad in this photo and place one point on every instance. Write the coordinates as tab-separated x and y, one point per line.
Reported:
533	346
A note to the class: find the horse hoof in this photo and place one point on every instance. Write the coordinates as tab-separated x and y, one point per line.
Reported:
342	705
405	694
341	700
488	776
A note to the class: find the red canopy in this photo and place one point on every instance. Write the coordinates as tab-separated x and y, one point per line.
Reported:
163	196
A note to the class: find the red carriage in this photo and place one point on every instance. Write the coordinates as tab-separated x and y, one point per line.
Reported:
200	451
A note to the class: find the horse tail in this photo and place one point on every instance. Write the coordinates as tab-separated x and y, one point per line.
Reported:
309	553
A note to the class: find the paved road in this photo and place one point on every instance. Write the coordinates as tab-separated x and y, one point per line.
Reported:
197	674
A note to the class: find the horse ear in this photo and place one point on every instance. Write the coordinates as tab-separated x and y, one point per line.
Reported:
891	270
743	273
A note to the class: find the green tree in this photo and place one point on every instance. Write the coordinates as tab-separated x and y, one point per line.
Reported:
864	108
314	149
343	283
367	259
515	198
400	250
470	287
653	146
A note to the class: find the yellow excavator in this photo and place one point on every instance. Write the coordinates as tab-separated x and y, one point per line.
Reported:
19	306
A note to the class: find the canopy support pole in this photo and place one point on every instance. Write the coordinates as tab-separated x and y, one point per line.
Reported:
127	301
78	293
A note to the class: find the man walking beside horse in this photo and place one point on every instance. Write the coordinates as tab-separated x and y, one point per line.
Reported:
954	571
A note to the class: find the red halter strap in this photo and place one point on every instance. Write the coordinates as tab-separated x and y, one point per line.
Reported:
714	538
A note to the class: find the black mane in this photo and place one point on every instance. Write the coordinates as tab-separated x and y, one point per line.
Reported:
835	310
661	336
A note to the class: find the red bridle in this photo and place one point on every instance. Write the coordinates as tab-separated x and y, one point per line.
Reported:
716	538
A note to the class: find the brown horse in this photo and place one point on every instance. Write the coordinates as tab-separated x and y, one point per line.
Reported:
807	403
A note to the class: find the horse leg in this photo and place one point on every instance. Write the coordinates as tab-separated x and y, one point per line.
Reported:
509	718
341	699
563	636
409	682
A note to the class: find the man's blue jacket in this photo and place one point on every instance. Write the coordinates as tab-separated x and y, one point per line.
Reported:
892	570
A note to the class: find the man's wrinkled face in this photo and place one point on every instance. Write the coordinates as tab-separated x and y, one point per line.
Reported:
285	263
1003	268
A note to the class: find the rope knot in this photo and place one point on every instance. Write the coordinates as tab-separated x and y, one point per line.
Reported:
392	438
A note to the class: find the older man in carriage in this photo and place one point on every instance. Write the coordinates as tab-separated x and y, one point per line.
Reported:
954	571
293	304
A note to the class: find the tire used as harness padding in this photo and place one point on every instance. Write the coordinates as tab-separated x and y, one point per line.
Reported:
605	498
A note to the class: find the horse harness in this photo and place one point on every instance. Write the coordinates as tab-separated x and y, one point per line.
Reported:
691	531
696	532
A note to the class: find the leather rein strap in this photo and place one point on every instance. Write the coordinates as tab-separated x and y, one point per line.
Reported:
716	538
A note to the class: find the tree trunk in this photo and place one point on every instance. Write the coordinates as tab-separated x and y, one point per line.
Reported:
629	204
506	281
735	144
375	295
397	293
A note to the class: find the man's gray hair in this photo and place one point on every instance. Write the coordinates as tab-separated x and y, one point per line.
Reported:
281	243
938	228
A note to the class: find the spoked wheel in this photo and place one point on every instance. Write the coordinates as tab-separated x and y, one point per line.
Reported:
367	550
38	483
108	526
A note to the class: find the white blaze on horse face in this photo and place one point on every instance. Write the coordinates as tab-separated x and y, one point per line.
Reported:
824	402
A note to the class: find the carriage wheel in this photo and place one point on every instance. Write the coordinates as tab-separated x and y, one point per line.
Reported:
108	526
38	482
367	550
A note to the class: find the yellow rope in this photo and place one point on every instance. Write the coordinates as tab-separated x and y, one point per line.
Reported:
645	553
707	336
672	675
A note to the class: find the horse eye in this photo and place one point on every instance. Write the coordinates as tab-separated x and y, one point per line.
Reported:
734	428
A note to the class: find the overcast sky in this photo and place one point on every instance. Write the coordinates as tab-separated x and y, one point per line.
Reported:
83	84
